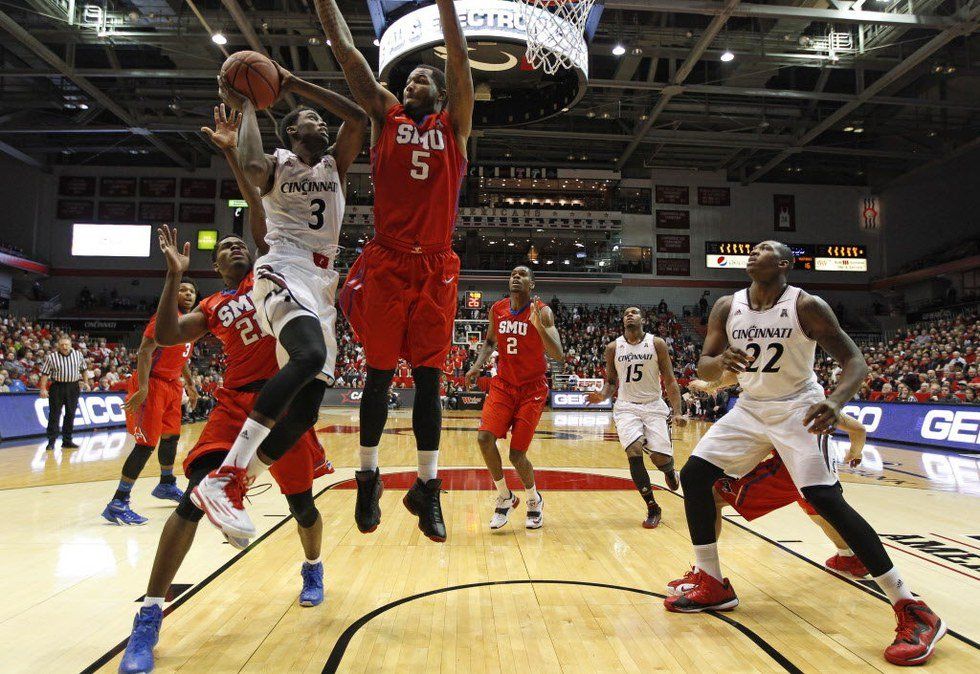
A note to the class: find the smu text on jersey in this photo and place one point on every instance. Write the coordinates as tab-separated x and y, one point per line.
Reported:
408	134
235	308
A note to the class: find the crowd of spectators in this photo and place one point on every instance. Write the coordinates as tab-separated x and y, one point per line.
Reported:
112	300
11	249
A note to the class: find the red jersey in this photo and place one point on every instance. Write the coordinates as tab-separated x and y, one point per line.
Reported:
520	351
249	355
418	170
167	362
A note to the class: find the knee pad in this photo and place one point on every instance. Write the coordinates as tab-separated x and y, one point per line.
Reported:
303	508
167	450
825	498
136	460
302	338
697	472
378	381
186	509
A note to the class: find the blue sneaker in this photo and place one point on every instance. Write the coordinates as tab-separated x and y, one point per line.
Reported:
118	512
146	633
312	594
167	492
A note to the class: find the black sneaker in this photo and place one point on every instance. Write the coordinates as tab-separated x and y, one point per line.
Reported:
653	516
367	511
69	445
50	447
422	500
673	480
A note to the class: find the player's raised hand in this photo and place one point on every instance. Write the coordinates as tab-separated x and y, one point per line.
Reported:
225	132
177	261
822	417
735	360
286	79
229	96
679	420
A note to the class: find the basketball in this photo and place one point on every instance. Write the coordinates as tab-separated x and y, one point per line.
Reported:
254	76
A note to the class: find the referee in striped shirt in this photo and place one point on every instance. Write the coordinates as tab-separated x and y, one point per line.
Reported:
64	369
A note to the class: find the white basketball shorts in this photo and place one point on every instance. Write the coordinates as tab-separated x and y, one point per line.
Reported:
647	421
288	284
741	439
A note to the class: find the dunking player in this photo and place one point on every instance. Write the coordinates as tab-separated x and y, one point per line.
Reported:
303	195
153	413
400	295
522	330
768	487
250	360
767	334
638	366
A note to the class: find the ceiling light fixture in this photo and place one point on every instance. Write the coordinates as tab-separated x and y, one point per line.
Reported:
219	38
619	50
727	56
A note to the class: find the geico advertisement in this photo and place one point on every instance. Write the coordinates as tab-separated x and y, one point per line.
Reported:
24	415
951	426
576	400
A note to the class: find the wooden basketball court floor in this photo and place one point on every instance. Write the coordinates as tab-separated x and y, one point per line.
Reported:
583	594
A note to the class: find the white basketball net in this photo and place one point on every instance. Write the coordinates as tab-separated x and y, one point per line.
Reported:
559	22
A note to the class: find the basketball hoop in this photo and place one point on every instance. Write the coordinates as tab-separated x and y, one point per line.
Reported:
554	30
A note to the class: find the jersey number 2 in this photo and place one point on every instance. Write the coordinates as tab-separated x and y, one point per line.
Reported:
248	330
512	346
420	170
318	207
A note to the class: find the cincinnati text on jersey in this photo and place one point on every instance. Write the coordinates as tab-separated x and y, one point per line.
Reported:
761	333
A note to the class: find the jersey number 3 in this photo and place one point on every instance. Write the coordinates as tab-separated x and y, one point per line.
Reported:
317	207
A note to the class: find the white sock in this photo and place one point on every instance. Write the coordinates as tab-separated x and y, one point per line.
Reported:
428	465
313	562
706	559
845	552
246	444
532	494
892	584
256	467
152	601
502	489
369	458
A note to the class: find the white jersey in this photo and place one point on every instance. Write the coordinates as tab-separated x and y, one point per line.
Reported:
638	371
305	206
783	365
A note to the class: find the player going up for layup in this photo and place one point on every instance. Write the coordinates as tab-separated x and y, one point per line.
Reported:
303	195
767	334
400	295
522	330
637	366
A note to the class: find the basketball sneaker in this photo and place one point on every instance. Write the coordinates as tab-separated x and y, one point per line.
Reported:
118	512
312	592
673	479
708	594
167	492
145	635
916	635
220	496
535	513
502	510
367	509
848	565
423	501
237	542
686	583
653	516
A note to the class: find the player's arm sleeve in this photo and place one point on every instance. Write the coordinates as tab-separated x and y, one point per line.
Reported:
819	323
716	341
374	98
459	78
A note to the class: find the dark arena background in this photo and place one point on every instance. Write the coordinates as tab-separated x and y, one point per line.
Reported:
684	133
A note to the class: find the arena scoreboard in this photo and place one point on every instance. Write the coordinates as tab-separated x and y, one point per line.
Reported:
474	299
818	257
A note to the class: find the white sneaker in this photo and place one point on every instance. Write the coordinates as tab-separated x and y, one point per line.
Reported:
535	513
220	496
236	542
502	510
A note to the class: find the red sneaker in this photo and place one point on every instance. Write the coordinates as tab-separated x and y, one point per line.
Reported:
916	635
708	594
850	566
684	584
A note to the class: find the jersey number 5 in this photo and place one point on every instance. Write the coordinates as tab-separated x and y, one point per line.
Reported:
634	372
420	170
317	207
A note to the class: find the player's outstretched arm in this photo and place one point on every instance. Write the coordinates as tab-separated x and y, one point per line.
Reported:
459	78
818	322
612	379
669	382
857	434
354	121
543	320
143	359
259	167
225	138
370	95
489	344
172	328
717	355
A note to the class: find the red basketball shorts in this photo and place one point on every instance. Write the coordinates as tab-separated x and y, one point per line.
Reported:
402	305
766	488
294	472
159	414
516	409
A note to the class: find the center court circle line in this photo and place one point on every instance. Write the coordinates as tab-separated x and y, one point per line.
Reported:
337	654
